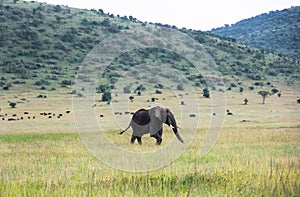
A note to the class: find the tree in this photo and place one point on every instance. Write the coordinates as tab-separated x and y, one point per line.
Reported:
106	96
206	93
12	104
264	94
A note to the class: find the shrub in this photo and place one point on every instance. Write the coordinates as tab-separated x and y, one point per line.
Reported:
12	104
140	88
6	88
158	92
106	96
180	87
251	88
159	86
67	82
103	88
206	93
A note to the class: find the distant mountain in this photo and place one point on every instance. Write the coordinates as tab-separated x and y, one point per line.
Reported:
277	31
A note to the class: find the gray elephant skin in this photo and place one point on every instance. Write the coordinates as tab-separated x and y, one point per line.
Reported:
151	121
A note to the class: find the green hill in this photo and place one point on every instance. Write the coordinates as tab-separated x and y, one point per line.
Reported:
42	47
276	31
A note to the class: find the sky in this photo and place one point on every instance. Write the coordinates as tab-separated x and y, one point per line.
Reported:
192	14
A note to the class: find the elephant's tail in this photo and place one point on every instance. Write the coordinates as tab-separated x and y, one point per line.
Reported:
178	135
125	129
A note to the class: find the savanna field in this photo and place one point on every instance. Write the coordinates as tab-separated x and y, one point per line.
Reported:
256	154
42	47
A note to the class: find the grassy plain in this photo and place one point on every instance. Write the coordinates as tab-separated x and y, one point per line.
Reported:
257	153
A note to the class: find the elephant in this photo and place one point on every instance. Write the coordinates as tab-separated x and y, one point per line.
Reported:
151	121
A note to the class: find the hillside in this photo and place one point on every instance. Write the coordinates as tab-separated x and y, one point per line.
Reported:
42	47
276	31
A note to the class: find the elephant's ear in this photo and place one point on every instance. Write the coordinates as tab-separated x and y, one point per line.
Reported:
170	119
160	113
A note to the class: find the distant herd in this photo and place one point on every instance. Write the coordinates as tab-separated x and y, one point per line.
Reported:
26	115
50	115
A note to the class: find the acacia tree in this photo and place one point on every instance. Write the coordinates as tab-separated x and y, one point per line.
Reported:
264	94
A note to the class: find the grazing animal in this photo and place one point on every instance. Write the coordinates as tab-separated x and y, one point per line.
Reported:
151	121
192	115
26	112
101	115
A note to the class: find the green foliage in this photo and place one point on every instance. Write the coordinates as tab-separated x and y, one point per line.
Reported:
158	92
205	93
275	31
140	88
106	97
47	43
180	87
264	94
103	88
12	104
159	86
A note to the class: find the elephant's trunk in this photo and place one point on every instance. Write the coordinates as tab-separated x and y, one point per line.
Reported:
177	134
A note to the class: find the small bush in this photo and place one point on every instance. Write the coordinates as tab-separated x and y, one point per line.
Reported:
180	87
12	104
158	92
206	93
106	96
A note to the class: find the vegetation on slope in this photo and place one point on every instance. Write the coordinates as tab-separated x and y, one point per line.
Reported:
276	31
43	45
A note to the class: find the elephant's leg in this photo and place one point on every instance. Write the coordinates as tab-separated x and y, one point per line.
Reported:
132	139
158	138
160	132
139	139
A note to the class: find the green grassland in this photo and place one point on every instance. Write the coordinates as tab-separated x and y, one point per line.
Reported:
256	154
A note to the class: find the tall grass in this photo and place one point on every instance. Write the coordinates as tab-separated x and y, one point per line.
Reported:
247	162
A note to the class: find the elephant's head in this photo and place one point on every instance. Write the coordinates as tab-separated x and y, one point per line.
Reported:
171	121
